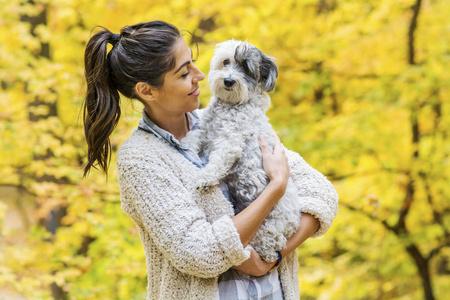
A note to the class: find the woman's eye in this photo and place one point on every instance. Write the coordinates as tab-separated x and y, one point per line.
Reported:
226	62
185	74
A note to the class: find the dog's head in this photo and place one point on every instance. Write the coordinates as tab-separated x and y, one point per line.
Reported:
240	70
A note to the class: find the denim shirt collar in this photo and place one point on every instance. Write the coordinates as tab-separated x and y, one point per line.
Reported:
147	125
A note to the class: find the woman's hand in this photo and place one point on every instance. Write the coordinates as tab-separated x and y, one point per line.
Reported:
275	164
254	266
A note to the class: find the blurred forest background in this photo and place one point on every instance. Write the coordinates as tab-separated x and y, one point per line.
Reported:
363	95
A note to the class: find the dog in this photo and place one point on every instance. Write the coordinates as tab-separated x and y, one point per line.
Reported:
240	77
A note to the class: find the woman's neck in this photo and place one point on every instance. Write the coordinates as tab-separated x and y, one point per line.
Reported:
175	124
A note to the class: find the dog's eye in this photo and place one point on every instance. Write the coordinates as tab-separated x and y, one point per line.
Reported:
226	62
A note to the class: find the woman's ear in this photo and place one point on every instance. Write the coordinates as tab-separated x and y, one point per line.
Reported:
145	91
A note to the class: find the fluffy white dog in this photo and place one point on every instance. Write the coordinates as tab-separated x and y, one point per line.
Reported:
240	75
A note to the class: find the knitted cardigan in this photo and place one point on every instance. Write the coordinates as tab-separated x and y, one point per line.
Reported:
189	238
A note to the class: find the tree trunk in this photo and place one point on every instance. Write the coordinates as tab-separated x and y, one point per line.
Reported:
424	270
52	221
420	261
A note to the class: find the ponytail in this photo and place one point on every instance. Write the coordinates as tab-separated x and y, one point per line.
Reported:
101	111
141	53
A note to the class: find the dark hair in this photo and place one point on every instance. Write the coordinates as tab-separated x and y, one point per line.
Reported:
140	53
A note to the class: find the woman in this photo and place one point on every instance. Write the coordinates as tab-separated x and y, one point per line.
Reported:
195	247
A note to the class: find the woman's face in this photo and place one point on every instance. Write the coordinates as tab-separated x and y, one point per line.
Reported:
180	90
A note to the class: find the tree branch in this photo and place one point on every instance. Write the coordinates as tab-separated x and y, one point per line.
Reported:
373	218
400	227
18	186
411	30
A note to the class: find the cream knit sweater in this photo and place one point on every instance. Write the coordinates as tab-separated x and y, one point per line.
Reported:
188	238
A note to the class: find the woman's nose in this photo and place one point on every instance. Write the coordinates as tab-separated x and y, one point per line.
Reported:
199	76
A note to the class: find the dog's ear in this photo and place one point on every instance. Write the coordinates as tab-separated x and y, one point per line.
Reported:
251	62
269	72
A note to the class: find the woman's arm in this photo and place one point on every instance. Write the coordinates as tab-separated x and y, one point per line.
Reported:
257	267
170	218
307	227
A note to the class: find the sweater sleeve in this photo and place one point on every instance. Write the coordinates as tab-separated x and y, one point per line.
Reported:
160	203
317	195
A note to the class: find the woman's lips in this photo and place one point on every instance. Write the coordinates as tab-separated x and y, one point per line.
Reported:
195	93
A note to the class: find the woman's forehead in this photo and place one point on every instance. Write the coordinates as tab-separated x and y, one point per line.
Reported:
182	50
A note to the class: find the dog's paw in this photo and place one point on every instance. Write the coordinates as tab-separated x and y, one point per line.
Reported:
203	185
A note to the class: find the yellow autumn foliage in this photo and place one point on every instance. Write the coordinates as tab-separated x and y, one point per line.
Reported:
356	97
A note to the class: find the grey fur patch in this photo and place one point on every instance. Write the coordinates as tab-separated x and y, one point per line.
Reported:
269	72
248	58
257	65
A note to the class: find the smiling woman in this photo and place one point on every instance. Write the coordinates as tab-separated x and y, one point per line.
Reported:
166	105
189	238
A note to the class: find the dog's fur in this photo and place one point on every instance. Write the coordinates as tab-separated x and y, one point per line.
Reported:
240	75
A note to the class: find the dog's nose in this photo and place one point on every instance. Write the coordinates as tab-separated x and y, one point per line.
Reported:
228	82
